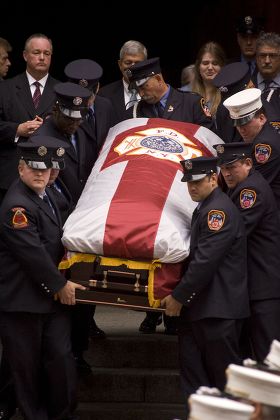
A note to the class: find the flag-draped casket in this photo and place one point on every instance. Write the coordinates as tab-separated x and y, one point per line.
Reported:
134	211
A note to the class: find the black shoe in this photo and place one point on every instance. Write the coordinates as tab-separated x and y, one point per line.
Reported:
95	332
150	323
170	331
81	363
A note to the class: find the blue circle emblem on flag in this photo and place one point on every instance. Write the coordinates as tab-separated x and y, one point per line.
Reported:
161	143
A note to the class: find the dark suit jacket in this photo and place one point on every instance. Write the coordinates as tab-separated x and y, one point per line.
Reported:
180	106
30	250
215	283
16	107
78	164
115	92
257	205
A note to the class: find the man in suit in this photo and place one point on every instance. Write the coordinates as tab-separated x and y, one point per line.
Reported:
34	321
18	115
5	63
212	296
119	93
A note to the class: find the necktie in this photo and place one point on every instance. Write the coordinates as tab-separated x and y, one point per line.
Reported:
133	98
159	110
267	83
37	94
91	122
48	202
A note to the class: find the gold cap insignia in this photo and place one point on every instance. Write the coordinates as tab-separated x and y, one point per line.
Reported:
188	164
77	100
42	151
60	151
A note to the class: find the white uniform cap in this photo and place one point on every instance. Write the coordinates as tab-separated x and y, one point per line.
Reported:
273	357
205	407
254	384
243	105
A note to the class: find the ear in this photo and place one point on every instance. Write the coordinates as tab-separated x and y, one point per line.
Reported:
24	55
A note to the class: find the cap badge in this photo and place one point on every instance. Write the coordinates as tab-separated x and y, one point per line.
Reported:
188	164
83	82
42	151
223	89
220	148
60	151
248	20
77	100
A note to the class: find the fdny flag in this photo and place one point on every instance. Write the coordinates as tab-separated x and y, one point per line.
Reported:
134	205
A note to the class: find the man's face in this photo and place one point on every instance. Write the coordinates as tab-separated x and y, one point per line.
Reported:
247	45
250	130
127	61
199	190
35	179
268	61
4	62
236	172
66	125
38	56
152	90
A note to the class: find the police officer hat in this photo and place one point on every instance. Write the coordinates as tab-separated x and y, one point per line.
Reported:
197	168
140	72
40	152
232	78
230	152
84	72
72	99
249	25
243	105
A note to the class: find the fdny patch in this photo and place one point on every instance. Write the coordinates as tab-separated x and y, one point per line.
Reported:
262	152
19	218
205	108
247	198
216	219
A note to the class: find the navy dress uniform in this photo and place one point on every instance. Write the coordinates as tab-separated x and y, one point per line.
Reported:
180	106
34	326
213	290
255	200
242	107
100	116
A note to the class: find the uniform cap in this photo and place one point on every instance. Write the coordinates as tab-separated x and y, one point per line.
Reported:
204	407
243	105
232	78
197	168
249	25
40	152
84	72
230	152
253	384
273	357
142	71
72	99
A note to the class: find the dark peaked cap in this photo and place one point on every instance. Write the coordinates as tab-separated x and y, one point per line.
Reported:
56	149
72	99
232	78
84	72
249	25
230	152
197	168
140	72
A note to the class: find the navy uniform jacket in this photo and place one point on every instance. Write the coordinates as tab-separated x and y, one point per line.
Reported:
103	121
16	107
215	283
30	250
266	157
115	92
255	200
78	164
180	106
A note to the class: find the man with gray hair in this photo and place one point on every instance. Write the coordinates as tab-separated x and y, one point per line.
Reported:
121	97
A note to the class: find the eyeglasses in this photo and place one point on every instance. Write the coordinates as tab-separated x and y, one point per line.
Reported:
271	56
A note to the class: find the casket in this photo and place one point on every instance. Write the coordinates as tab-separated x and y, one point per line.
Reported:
128	238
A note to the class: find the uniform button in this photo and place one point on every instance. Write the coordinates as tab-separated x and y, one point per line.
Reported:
188	300
81	180
48	291
42	284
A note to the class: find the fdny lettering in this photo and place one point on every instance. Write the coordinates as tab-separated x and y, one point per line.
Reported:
205	108
19	220
262	152
247	198
216	219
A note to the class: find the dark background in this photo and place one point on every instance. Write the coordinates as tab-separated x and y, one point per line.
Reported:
87	29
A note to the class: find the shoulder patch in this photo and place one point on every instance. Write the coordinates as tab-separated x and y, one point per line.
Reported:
262	152
247	198
205	108
216	219
19	218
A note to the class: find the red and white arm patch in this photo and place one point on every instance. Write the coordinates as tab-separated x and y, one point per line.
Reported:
247	198
216	219
19	220
262	152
